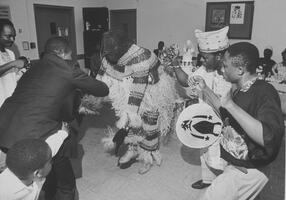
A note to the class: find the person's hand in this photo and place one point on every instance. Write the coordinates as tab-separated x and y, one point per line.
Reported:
197	81
226	99
19	64
66	127
175	61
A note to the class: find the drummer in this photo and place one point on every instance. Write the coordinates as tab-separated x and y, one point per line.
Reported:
211	46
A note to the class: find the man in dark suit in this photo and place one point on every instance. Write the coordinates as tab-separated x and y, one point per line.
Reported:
35	110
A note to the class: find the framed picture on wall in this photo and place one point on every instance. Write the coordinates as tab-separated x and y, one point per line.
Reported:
237	15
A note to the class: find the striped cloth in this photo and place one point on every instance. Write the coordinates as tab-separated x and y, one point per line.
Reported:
140	64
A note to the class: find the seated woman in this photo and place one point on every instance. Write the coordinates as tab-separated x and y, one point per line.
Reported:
279	70
266	63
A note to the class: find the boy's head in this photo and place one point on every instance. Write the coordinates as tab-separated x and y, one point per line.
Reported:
59	46
211	46
240	58
29	158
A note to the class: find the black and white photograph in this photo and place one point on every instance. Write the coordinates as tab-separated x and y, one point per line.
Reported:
142	100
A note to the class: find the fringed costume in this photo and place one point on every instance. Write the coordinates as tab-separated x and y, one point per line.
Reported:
143	97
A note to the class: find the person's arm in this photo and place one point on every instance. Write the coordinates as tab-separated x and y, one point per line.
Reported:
16	63
88	84
250	125
181	76
206	94
56	140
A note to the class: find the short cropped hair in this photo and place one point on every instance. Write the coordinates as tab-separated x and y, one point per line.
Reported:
5	22
56	45
27	156
249	53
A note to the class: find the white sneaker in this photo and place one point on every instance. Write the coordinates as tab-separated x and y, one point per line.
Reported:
131	153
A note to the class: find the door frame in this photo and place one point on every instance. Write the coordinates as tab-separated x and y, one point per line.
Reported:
72	20
124	11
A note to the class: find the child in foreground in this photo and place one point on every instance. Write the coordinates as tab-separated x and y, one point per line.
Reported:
28	163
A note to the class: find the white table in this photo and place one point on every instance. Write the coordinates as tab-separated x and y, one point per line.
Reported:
281	88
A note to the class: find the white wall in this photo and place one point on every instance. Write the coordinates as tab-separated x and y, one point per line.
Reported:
22	14
268	25
172	21
175	21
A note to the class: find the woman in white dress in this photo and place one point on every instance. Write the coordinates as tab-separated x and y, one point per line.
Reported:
9	67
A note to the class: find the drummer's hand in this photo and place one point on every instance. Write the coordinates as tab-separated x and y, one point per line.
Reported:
226	99
197	81
175	61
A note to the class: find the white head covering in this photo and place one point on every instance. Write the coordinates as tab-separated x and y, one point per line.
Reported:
212	41
198	126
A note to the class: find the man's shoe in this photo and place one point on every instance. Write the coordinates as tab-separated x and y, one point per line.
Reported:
200	185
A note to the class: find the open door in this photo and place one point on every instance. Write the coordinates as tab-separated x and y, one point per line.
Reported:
126	20
95	24
54	21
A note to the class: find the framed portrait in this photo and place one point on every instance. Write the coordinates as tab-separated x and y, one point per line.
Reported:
25	45
218	16
237	15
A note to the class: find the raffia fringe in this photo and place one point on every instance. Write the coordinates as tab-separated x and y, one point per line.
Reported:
149	157
91	104
108	144
161	96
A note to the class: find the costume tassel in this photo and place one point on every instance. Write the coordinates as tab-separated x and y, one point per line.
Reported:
108	144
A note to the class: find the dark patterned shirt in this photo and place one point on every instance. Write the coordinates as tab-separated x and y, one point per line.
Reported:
262	102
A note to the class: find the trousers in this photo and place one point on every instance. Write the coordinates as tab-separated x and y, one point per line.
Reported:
60	183
233	184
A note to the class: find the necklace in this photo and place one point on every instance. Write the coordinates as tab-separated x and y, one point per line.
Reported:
245	87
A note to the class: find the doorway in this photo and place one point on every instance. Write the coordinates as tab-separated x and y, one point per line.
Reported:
126	20
54	21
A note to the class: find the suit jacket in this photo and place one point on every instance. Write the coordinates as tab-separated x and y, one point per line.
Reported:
35	108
